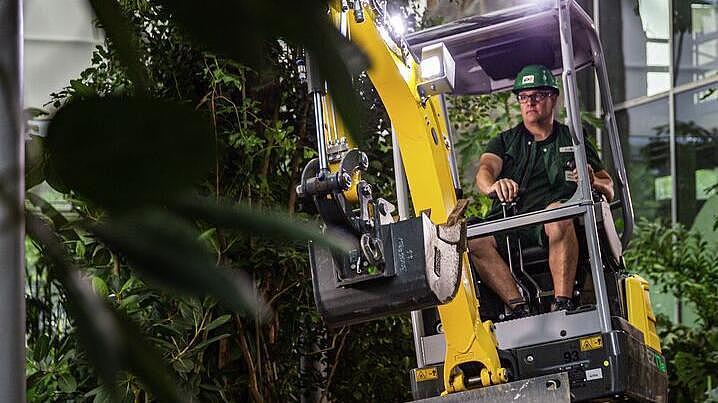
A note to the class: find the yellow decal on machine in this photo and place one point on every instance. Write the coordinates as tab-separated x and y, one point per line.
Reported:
426	374
591	343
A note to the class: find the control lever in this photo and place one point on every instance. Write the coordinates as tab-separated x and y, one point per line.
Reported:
509	209
494	196
568	169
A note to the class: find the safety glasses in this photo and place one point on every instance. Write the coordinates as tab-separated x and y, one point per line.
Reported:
534	98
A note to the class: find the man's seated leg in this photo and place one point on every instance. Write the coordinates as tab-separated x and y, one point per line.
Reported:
493	270
562	258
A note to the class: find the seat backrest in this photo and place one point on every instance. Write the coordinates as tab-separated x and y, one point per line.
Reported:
609	227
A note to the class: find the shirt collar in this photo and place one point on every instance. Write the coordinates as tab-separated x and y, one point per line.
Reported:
554	133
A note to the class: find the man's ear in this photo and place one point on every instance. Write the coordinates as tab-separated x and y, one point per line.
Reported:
554	99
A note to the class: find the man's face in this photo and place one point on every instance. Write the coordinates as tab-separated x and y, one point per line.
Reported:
537	105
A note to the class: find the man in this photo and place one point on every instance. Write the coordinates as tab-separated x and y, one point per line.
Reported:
534	156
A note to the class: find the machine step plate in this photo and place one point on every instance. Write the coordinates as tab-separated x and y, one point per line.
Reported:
548	388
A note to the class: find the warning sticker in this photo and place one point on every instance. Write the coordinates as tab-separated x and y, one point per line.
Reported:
568	176
426	374
591	343
595	373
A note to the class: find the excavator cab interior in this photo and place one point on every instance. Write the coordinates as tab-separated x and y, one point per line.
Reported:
530	269
466	348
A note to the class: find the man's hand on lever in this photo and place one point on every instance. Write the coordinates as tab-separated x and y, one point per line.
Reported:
601	181
505	189
591	174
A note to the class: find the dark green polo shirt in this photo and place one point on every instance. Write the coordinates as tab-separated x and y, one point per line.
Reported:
544	163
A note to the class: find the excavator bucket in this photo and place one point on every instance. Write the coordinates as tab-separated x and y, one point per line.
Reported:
421	267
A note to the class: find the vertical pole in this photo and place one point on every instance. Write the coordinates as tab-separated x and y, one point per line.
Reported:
596	88
678	308
12	290
572	107
672	121
614	140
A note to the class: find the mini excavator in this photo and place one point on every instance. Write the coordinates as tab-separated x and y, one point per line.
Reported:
606	349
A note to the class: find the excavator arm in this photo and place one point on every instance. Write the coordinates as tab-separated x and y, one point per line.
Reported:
420	127
423	138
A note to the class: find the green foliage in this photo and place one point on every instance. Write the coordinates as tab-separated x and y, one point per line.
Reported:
51	372
683	263
379	356
156	212
170	149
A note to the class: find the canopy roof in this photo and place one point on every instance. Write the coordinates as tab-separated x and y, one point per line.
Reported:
489	50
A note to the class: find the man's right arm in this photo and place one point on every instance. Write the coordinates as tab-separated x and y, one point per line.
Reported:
489	169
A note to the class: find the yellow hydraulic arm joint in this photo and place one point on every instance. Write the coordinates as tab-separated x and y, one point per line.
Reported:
422	137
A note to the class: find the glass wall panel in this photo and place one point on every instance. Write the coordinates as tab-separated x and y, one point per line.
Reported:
695	39
646	150
697	158
635	38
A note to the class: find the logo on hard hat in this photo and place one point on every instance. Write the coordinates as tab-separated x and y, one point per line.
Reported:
528	79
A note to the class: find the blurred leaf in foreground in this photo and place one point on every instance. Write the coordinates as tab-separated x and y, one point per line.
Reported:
122	153
266	223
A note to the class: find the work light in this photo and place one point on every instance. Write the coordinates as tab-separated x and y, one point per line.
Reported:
437	70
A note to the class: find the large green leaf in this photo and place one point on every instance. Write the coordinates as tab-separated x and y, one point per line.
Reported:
241	29
124	152
165	250
58	220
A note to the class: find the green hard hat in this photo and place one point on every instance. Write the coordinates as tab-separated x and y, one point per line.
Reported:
534	76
